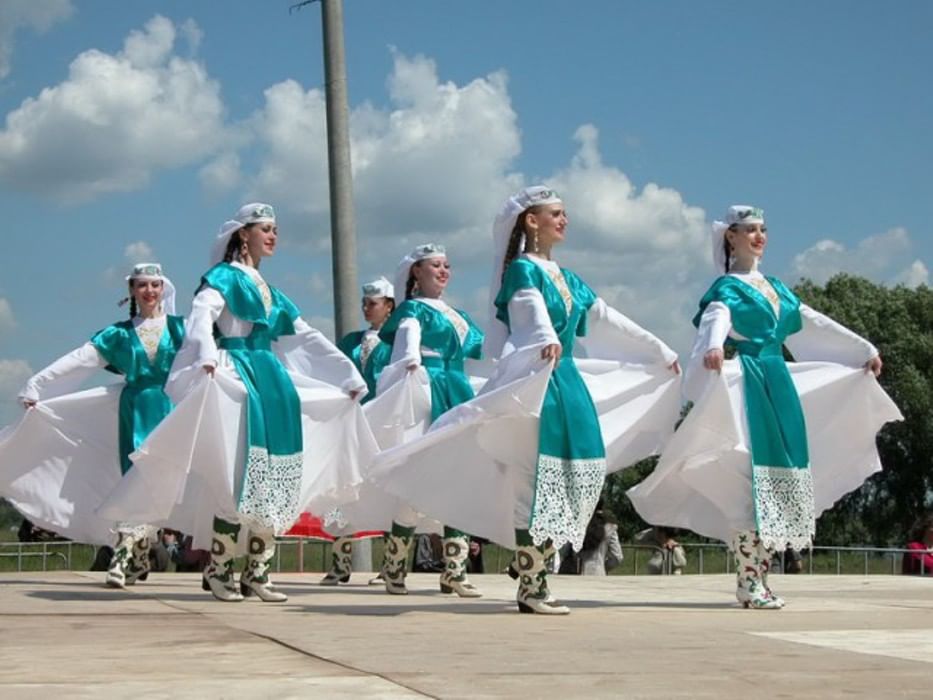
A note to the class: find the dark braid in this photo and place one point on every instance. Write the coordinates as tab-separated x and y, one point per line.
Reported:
409	286
511	250
727	247
133	309
233	247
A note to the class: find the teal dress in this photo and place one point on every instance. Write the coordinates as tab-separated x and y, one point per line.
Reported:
782	487
571	464
271	481
369	363
143	401
450	385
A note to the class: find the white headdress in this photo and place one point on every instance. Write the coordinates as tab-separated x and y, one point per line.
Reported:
496	332
252	213
736	214
380	287
153	271
422	252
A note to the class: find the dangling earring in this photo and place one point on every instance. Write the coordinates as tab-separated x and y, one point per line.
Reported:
244	251
534	241
415	289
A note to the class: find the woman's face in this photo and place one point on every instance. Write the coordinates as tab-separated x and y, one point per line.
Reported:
261	240
550	220
432	276
376	310
148	295
748	240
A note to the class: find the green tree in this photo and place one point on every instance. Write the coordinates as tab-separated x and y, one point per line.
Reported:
899	322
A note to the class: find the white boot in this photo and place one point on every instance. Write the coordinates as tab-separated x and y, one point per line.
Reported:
750	591
533	594
764	566
138	567
219	578
341	565
120	561
395	563
454	577
255	579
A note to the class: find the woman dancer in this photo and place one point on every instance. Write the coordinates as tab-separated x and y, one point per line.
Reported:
265	429
767	446
68	453
426	332
370	356
531	447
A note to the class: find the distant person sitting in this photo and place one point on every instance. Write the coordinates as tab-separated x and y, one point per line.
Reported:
28	532
668	556
919	560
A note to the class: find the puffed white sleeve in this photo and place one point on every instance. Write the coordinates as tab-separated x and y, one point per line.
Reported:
200	346
715	324
406	348
613	335
529	322
311	353
64	375
822	339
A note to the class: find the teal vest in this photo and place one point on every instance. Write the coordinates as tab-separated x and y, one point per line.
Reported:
143	401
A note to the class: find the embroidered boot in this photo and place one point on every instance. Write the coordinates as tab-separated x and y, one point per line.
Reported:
218	576
255	577
533	592
395	559
765	555
137	568
119	562
341	558
454	576
749	591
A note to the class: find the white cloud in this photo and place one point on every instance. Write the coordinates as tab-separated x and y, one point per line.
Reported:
643	250
222	174
7	320
137	252
115	121
436	165
885	257
38	15
432	166
914	275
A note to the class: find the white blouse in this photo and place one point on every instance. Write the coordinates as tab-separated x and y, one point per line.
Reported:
530	324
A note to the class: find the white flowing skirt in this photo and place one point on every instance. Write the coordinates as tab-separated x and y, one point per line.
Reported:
476	465
190	466
703	481
60	462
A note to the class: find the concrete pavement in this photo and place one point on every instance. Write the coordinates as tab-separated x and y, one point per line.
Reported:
66	635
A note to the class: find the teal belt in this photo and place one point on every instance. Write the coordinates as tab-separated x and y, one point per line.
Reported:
440	363
756	350
246	343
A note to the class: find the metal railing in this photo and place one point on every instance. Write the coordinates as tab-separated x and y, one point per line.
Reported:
312	555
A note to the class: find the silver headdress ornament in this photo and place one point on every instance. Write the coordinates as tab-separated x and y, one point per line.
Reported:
378	288
252	213
153	271
736	214
421	252
519	202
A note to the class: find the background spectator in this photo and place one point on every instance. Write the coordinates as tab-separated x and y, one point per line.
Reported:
669	556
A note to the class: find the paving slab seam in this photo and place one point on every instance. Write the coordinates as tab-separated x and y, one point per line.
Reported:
303	652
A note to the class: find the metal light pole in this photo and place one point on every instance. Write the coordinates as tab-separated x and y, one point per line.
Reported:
342	230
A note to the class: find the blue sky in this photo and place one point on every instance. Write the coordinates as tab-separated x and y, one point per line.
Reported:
134	129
